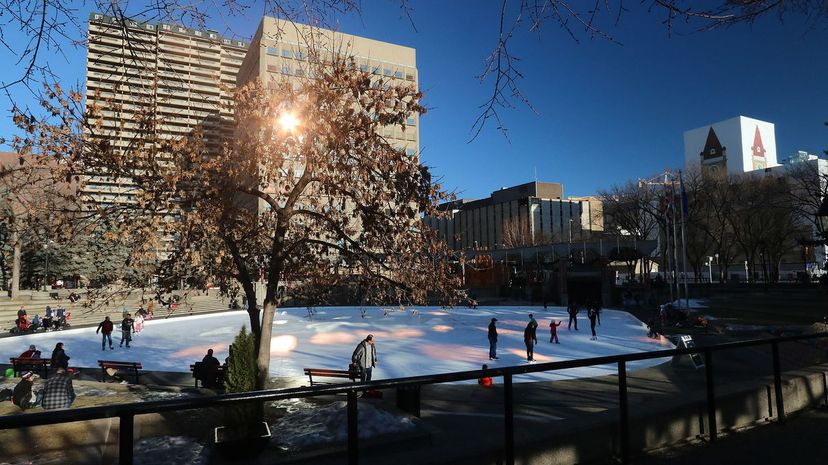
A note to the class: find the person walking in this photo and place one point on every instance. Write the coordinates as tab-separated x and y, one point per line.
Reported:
553	331
105	328
592	314
573	316
493	340
127	328
59	357
529	340
58	393
365	356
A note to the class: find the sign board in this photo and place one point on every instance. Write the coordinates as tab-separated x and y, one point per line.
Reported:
686	342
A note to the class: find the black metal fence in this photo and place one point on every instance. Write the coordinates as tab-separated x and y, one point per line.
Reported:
126	412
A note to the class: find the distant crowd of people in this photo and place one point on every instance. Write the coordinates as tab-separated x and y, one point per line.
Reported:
53	320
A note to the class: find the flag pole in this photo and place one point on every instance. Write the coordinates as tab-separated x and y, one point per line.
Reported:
684	202
675	240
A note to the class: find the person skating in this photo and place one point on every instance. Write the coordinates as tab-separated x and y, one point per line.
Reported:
592	314
493	340
573	316
105	327
529	340
553	331
59	357
127	328
365	356
22	394
534	324
58	393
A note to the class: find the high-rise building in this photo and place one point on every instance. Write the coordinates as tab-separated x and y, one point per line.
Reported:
184	76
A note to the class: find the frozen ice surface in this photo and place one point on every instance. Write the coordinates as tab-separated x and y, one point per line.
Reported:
410	342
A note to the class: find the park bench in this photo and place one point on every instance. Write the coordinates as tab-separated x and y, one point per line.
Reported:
195	368
325	373
30	364
133	366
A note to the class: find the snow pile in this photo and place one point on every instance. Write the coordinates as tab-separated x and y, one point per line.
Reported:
149	451
179	450
308	425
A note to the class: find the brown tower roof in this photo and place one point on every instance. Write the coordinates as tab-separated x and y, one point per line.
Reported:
712	147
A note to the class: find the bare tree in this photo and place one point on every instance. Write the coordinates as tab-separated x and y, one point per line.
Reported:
327	204
516	233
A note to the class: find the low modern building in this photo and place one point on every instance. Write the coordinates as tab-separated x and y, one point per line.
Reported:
525	215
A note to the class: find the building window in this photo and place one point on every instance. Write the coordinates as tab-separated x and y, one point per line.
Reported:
272	68
287	53
375	70
300	56
409	121
398	74
286	69
272	51
363	68
409	152
386	72
300	72
409	76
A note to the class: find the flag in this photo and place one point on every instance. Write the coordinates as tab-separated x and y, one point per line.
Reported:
685	207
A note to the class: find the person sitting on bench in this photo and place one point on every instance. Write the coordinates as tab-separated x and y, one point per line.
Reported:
31	353
209	370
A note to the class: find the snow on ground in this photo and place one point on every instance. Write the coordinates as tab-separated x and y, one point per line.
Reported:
694	304
410	342
307	424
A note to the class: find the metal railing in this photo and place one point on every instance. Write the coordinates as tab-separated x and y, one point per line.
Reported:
126	412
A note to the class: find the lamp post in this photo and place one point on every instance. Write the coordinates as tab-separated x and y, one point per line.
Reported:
570	240
747	275
710	269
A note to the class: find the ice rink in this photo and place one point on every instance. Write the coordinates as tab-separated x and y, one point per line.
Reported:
413	341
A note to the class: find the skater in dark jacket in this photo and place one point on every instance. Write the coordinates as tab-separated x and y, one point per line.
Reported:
105	327
493	340
592	314
573	316
529	340
127	328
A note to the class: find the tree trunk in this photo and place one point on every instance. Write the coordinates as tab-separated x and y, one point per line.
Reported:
14	289
263	355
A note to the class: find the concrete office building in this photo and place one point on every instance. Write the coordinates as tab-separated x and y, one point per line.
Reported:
524	215
184	75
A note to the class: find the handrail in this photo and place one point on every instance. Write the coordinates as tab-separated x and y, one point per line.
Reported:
130	410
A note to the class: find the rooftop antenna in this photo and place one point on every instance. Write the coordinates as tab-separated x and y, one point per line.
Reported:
536	174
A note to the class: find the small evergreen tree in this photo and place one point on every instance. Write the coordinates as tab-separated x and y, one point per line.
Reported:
241	366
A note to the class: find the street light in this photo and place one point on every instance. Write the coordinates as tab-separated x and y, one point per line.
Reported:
46	268
710	269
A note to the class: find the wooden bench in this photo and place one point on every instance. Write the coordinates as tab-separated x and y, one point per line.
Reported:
195	368
31	364
325	373
133	366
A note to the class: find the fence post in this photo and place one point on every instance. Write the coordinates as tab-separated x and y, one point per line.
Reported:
509	418
624	413
777	384
711	395
125	438
353	438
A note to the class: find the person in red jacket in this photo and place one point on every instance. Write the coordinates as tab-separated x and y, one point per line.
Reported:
553	331
485	381
105	327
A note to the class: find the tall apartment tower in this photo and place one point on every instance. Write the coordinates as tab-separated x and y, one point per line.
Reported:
279	52
185	76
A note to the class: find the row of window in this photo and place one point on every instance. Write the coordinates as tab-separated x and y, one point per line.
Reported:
383	70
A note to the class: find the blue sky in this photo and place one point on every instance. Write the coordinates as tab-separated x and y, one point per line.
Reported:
606	113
